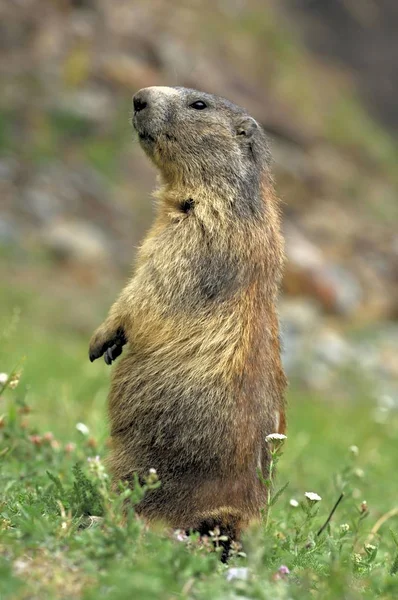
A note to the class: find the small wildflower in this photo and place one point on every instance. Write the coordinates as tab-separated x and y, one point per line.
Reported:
5	524
70	447
55	445
215	533
180	535
272	437
357	558
344	527
96	467
293	502
84	430
152	477
14	380
236	549
370	549
364	507
312	497
3	378
36	439
281	573
48	436
359	473
206	543
354	450
237	573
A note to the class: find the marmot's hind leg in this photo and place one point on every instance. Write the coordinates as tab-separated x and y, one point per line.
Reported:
225	523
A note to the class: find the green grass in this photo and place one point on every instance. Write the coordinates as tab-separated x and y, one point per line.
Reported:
50	547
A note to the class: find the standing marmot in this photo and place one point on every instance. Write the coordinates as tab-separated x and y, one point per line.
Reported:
201	383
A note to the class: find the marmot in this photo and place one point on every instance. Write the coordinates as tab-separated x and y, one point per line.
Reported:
200	384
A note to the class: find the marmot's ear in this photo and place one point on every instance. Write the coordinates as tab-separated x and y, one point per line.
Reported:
246	127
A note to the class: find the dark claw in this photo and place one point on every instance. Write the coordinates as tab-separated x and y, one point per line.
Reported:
112	353
108	356
116	351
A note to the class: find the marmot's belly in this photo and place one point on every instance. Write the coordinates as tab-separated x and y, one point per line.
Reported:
170	422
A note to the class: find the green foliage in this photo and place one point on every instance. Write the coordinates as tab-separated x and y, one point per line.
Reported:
83	498
65	533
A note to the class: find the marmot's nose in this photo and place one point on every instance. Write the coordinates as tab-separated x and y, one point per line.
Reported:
139	102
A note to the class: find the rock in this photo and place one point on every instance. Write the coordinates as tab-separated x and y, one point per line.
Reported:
91	103
9	233
8	168
299	320
49	193
57	191
309	273
318	356
331	348
345	293
299	315
129	72
77	241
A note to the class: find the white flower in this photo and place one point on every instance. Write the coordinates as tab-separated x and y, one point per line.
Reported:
96	467
275	436
344	527
357	558
312	497
180	535
14	380
94	459
152	471
237	573
354	450
82	428
293	503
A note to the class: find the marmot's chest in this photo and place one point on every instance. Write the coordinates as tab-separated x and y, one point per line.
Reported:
186	267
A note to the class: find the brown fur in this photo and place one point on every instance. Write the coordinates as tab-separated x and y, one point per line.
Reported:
200	383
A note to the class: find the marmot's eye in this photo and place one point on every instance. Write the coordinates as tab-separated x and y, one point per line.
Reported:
199	105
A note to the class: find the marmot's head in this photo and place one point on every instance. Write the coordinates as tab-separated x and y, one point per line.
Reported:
198	138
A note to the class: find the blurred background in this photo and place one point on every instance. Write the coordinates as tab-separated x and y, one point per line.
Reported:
75	191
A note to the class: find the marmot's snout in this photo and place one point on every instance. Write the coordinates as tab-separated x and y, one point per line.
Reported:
139	103
151	107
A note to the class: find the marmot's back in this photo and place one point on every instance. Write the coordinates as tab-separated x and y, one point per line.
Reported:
201	383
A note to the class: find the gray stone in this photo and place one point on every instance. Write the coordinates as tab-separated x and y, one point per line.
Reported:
76	240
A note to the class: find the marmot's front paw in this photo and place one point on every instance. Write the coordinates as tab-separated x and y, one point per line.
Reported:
111	346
